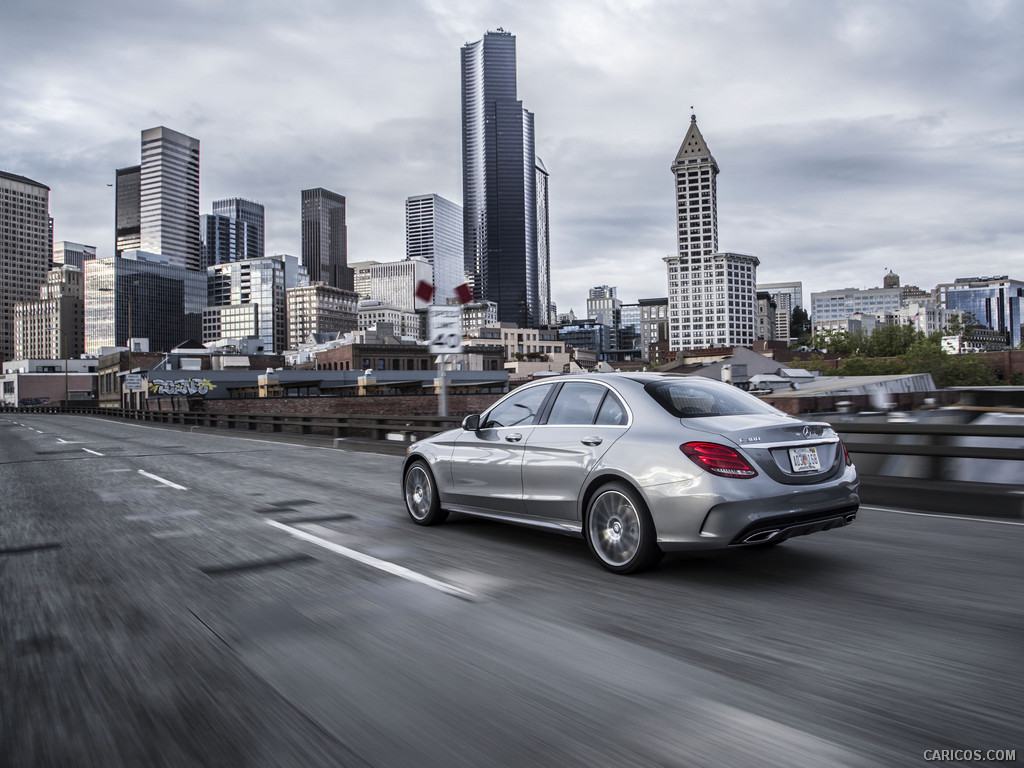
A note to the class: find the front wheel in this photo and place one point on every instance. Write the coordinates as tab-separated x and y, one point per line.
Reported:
619	530
421	498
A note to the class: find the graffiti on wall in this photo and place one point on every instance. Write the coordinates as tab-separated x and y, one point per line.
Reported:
180	386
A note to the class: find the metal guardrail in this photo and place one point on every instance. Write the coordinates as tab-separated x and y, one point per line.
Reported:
937	441
338	426
939	467
929	457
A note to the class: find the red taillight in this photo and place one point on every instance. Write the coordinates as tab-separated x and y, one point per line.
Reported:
718	459
846	454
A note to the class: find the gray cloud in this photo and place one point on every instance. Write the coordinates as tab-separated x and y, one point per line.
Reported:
853	136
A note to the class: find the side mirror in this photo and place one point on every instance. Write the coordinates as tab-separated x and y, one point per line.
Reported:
471	423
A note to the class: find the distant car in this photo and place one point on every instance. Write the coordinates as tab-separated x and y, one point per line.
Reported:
638	464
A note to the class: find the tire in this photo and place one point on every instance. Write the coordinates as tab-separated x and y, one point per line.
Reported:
422	501
619	530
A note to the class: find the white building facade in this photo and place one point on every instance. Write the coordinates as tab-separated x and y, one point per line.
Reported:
433	233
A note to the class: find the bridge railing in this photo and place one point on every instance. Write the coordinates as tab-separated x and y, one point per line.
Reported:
971	468
975	468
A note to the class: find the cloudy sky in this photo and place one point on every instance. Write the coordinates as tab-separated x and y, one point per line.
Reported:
853	136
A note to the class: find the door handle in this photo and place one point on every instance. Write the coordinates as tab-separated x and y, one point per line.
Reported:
591	441
515	437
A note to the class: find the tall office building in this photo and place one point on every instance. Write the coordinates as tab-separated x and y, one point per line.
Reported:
142	296
248	299
547	309
997	302
26	248
72	254
712	296
325	238
499	182
253	216
319	308
433	233
394	282
832	310
653	327
234	231
52	327
787	297
127	209
169	196
795	291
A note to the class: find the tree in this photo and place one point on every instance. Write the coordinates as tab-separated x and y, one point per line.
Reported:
799	322
891	340
960	323
837	342
968	371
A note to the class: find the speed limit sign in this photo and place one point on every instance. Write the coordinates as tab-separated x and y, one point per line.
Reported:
444	324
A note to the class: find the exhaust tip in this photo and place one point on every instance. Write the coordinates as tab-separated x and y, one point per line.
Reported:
761	536
849	519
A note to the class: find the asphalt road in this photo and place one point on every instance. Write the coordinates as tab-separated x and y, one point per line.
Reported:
159	608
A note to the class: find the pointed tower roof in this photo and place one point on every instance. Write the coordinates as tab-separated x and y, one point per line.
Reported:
694	146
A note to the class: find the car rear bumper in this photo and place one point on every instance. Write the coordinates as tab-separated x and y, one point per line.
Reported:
686	518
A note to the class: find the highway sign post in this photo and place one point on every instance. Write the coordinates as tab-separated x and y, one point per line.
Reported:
444	325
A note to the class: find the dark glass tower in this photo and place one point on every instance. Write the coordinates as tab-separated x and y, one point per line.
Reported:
252	215
325	238
127	207
499	181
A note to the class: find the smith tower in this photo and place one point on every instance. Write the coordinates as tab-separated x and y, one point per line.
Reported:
499	182
711	295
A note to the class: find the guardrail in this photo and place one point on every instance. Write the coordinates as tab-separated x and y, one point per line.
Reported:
407	428
936	466
975	469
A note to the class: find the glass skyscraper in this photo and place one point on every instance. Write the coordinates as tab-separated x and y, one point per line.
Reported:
140	295
169	196
325	238
251	214
543	248
234	231
499	182
248	298
995	302
127	207
433	232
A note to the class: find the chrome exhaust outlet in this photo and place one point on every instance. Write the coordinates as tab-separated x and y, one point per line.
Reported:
849	518
761	536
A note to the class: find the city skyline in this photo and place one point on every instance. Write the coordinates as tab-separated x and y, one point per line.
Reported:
853	138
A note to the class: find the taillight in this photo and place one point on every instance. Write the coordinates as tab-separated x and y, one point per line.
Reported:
846	454
718	459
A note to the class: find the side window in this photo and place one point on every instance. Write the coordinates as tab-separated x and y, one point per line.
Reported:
520	409
577	403
612	411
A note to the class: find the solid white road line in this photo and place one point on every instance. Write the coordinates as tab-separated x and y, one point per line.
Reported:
161	480
94	453
938	514
394	569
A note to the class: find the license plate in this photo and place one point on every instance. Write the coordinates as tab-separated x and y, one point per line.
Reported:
804	459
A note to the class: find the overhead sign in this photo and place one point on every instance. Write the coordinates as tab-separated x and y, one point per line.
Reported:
444	324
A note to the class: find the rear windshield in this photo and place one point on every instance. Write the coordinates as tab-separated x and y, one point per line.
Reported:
693	397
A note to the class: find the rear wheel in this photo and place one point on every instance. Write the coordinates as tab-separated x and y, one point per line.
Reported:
619	530
421	498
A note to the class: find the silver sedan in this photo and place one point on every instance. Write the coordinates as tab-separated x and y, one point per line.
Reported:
638	464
